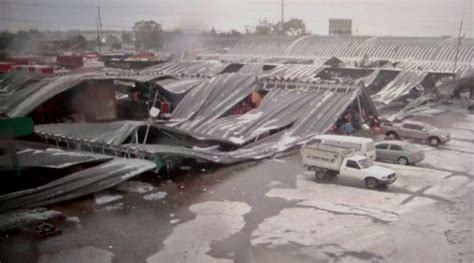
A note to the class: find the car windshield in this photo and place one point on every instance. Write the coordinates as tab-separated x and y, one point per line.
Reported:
365	163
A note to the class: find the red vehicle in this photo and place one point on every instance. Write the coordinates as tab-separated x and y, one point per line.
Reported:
70	62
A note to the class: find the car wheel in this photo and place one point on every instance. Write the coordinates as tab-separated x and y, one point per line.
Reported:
393	136
403	161
320	175
433	141
371	183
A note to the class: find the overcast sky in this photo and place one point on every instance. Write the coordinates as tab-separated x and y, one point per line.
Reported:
370	17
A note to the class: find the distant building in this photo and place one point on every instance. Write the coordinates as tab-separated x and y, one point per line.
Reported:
340	26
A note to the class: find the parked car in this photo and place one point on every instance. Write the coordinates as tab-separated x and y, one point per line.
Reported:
399	152
417	131
328	160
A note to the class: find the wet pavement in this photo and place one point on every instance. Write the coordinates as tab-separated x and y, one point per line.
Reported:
274	211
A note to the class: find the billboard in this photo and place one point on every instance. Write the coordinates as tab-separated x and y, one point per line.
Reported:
340	26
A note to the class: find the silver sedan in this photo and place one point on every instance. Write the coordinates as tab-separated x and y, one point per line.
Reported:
398	152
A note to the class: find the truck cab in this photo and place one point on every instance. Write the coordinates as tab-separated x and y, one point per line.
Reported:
361	168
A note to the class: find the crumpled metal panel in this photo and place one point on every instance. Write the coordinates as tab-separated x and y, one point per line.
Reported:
400	86
13	82
13	99
52	158
302	109
78	184
34	96
252	69
25	100
185	152
368	80
211	99
312	119
112	133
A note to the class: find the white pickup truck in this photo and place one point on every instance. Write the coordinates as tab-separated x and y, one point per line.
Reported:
330	161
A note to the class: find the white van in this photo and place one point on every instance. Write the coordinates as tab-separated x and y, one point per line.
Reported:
361	145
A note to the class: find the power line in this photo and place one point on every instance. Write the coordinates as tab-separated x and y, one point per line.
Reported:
100	23
282	15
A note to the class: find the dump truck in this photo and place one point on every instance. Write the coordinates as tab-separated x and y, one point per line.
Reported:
329	161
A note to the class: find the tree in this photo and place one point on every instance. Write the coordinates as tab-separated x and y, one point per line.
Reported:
235	33
264	27
113	42
6	40
127	37
213	31
26	40
148	34
78	42
294	27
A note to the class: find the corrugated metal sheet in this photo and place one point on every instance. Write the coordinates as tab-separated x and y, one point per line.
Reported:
252	69
212	99
326	46
187	68
303	109
296	115
52	158
178	86
262	46
293	72
400	86
24	101
434	66
112	133
294	111
436	50
370	78
75	185
13	82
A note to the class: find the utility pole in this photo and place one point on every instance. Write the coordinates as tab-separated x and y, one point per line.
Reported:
282	15
458	47
100	23
99	39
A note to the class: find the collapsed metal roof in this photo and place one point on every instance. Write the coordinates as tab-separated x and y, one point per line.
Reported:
400	86
212	99
13	82
26	99
301	107
111	133
51	158
77	184
291	113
